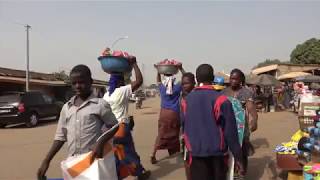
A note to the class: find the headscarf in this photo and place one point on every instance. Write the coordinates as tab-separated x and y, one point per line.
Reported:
114	81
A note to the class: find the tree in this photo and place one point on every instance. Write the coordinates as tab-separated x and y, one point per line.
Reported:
268	62
306	53
62	76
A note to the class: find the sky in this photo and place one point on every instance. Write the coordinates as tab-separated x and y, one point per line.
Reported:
226	35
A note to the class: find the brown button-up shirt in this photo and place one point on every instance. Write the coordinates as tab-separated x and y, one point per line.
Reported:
81	126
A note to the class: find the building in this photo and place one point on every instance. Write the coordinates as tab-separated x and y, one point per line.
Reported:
14	80
280	69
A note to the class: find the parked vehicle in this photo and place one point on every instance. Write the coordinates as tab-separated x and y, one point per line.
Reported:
28	108
138	103
140	94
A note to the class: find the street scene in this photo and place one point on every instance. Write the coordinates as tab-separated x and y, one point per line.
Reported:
35	142
173	90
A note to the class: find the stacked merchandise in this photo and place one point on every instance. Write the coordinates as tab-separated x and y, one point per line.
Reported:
310	151
286	152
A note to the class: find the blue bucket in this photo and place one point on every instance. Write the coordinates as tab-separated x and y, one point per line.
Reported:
112	64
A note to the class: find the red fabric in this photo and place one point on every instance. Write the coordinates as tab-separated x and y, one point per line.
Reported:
216	113
183	106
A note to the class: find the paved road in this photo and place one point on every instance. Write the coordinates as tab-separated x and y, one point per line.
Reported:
22	149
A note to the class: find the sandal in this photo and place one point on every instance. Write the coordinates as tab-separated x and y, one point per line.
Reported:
145	175
153	160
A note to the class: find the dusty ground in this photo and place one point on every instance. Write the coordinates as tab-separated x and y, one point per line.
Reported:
22	149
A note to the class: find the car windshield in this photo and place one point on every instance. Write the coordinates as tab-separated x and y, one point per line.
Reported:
9	98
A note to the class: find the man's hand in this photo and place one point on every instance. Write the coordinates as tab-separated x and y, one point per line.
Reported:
179	66
43	169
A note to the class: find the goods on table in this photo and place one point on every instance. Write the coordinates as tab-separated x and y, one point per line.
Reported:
304	147
168	66
311	171
307	114
287	152
114	61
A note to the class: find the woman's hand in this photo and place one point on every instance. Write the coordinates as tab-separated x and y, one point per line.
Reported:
132	60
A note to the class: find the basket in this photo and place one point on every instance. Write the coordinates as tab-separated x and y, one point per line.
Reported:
305	122
111	64
167	69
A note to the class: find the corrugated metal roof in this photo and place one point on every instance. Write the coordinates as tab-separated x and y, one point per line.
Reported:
264	69
292	75
19	76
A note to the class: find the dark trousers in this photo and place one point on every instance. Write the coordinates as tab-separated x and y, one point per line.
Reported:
208	168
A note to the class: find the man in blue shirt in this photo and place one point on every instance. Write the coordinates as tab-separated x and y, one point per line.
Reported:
210	129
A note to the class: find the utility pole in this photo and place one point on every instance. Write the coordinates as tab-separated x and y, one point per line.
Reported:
27	26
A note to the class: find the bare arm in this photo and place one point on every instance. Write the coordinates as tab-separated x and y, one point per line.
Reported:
139	79
253	115
181	69
158	78
56	146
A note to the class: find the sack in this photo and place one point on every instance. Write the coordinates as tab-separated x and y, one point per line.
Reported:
80	168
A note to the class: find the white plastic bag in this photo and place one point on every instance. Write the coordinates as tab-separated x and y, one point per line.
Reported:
79	168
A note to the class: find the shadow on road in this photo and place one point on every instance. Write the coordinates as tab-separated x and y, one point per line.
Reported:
260	143
259	166
165	167
149	113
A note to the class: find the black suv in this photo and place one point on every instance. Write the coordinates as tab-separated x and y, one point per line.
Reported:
27	107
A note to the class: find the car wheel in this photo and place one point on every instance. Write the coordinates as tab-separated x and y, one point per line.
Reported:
33	120
2	125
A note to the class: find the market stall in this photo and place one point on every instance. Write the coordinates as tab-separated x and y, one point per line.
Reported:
300	157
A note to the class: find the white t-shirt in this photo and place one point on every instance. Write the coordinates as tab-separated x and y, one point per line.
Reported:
119	102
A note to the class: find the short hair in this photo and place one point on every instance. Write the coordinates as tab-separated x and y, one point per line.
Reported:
205	73
189	75
82	69
242	76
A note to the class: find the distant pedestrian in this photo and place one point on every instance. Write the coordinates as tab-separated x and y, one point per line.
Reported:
210	129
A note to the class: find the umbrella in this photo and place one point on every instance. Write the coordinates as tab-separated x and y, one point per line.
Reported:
265	80
309	79
251	78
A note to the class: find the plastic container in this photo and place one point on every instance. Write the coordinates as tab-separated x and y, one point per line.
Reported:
114	64
167	69
308	146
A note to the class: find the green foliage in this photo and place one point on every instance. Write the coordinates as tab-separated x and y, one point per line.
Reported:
62	76
307	53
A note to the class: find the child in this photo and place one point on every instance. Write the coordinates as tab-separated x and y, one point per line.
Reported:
81	119
188	83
